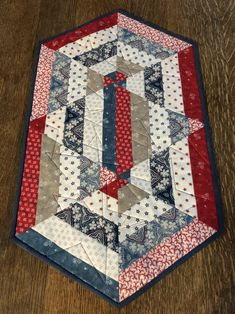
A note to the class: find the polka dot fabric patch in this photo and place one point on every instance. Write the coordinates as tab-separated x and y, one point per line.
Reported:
118	162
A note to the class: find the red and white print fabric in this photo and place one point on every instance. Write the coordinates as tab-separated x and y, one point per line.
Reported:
42	83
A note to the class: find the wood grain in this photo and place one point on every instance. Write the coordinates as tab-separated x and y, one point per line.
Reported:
203	284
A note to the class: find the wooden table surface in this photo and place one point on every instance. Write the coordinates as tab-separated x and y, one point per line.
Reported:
203	284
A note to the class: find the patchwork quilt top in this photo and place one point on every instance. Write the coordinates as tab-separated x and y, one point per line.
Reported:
117	182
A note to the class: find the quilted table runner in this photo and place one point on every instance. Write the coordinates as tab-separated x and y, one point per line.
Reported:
118	181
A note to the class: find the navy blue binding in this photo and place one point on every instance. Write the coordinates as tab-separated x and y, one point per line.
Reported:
210	150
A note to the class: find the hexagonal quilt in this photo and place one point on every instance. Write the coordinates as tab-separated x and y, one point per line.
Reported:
118	184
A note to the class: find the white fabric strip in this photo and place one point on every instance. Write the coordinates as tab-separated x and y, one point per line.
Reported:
54	127
134	55
135	84
182	181
70	173
140	176
89	42
77	81
173	99
159	127
93	126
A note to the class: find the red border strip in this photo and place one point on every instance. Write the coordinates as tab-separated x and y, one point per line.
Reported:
83	31
30	180
200	163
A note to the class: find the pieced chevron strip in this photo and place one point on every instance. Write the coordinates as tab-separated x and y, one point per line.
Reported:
118	182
